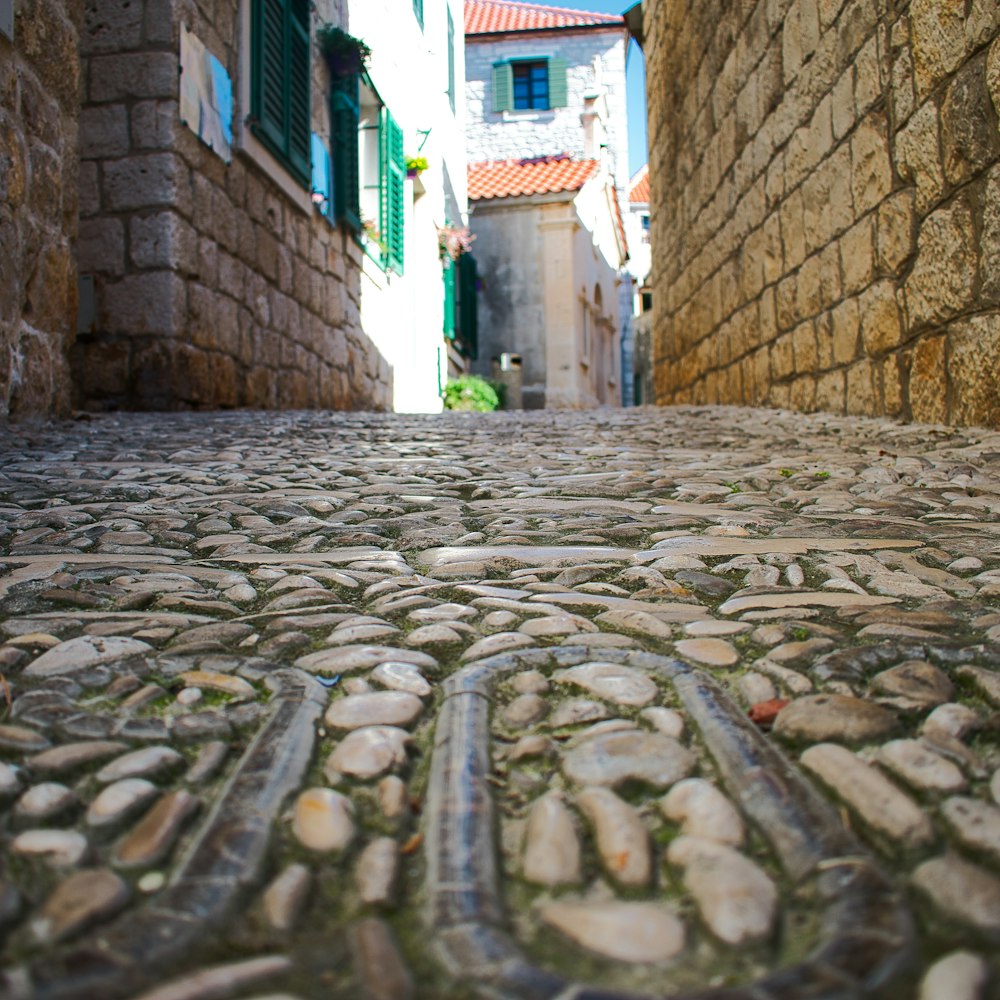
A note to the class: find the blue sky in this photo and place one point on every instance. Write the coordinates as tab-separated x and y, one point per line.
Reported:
636	82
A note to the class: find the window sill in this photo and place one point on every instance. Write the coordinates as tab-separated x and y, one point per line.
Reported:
528	115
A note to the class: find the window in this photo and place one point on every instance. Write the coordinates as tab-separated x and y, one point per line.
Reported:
279	95
645	228
369	168
451	61
530	85
418	12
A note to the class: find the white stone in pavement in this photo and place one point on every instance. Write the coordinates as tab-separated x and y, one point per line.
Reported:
499	642
350	659
576	711
529	682
9	783
974	823
622	838
709	628
624	932
322	820
381	708
401	677
284	898
81	900
667	721
641	622
551	845
735	898
953	720
83	652
393	798
819	717
802	599
612	682
869	793
120	800
708	652
525	710
961	975
60	848
920	767
45	800
377	870
915	684
368	753
987	681
962	891
703	811
145	763
614	758
995	786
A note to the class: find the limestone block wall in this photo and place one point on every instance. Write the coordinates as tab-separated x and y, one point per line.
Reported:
39	106
215	284
826	204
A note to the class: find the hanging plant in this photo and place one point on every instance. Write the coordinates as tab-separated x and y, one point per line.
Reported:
415	165
343	53
453	241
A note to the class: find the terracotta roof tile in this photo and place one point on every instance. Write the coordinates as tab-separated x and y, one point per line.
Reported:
539	175
638	187
486	17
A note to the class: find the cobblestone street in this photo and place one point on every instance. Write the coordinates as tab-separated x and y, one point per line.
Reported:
691	702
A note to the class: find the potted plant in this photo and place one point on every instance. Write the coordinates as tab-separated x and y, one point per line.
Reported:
453	241
415	165
343	53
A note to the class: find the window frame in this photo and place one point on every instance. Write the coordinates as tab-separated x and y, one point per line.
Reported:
503	84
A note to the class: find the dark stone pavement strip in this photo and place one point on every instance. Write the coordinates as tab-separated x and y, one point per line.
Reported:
548	596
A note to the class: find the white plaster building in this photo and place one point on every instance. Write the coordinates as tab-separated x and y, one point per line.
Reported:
547	145
410	104
639	265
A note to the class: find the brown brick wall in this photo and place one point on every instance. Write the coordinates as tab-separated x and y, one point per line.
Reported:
39	105
826	204
213	288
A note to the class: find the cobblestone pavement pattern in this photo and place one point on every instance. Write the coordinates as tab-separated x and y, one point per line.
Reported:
651	703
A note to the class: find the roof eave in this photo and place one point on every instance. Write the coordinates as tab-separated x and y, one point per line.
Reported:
560	29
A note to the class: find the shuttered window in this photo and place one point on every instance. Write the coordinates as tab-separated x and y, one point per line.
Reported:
280	74
468	316
450	281
530	85
392	190
418	11
344	114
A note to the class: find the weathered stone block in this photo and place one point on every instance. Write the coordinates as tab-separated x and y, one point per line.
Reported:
133	74
104	131
868	86
983	23
938	33
993	74
793	235
146	182
111	26
942	282
928	387
918	156
969	136
804	348
871	167
846	326
857	255
151	303
896	231
803	394
155	124
862	398
782	357
830	392
973	363
881	329
13	166
989	253
842	107
49	40
101	246
163	240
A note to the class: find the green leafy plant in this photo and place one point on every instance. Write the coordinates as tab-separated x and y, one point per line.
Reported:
416	164
822	475
470	392
344	54
787	472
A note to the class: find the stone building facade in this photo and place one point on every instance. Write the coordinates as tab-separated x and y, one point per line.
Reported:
826	204
39	107
211	283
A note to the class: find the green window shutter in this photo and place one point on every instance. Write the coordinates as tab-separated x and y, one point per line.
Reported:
344	113
392	189
503	87
467	304
449	298
558	89
451	61
418	10
280	77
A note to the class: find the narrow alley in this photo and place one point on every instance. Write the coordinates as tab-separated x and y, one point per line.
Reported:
689	702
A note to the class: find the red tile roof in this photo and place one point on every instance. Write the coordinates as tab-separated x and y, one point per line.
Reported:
487	17
638	187
539	175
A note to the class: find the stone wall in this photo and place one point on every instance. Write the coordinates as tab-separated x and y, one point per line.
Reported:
39	105
826	204
215	284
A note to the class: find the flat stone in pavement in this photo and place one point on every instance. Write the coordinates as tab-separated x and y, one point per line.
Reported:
539	655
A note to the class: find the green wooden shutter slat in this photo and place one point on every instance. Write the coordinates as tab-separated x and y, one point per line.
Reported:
449	298
503	87
393	189
418	10
558	88
451	60
268	96
468	311
344	114
299	109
